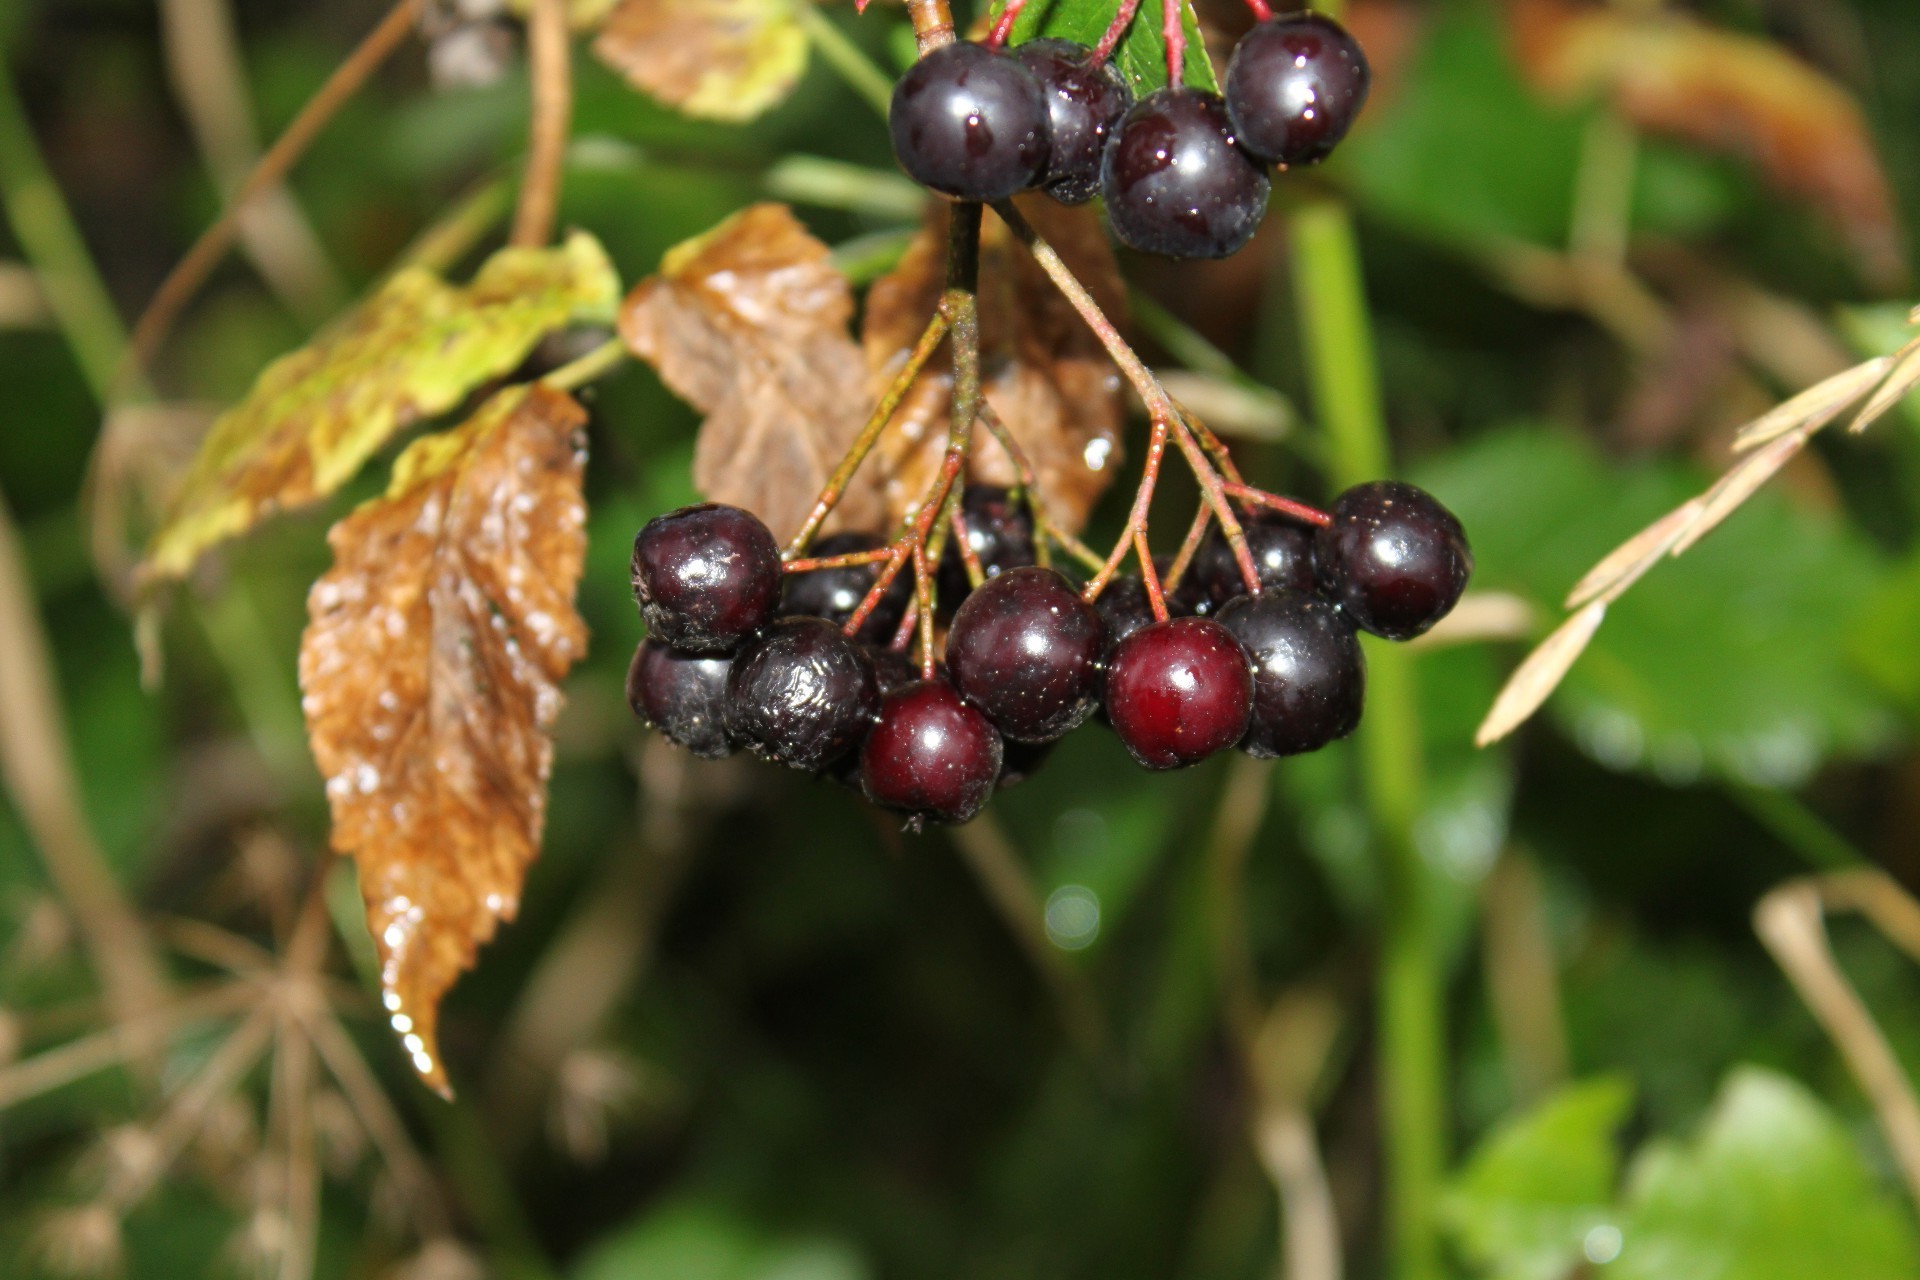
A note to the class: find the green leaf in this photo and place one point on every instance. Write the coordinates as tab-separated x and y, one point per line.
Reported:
701	1239
414	350
1773	1188
1141	56
1729	660
1525	1203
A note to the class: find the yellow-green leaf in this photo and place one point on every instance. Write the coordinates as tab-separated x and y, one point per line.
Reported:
412	351
715	59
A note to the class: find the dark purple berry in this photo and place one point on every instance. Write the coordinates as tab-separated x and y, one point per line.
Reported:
930	756
1309	676
1000	531
970	122
834	594
1025	649
1123	608
1294	87
706	577
801	694
1175	182
1394	559
893	669
1178	691
1282	551
1084	102
683	696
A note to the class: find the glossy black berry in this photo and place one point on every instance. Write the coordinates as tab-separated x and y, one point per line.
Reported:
683	696
1000	532
1178	691
706	577
1084	103
1282	551
970	122
834	594
1294	87
1394	559
931	755
1309	676
1176	183
1025	649
801	693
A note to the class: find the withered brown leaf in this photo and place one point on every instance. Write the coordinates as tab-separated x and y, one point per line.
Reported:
1042	369
715	59
430	671
1674	75
749	324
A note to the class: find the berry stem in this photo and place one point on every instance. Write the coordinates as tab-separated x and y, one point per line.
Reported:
1023	469
1261	10
976	572
1174	32
847	561
1273	501
923	606
1116	30
1079	550
1003	25
877	421
1156	597
1190	546
1215	490
932	24
1137	518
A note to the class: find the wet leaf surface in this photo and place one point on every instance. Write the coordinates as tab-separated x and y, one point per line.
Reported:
715	59
430	671
1043	371
749	324
414	350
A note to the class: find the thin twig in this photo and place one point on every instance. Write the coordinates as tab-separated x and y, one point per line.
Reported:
550	63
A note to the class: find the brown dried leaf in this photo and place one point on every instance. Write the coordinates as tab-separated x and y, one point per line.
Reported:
1903	378
1624	565
1044	372
1728	92
749	323
1741	482
1816	406
715	59
1537	677
431	669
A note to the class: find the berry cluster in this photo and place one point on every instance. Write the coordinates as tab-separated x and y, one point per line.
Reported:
735	661
1183	171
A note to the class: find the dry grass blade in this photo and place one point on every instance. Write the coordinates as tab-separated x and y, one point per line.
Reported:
1817	405
1741	482
1904	377
1540	674
1789	921
1624	565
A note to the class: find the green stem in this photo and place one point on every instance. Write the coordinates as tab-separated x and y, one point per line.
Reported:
44	226
1798	827
1345	381
861	73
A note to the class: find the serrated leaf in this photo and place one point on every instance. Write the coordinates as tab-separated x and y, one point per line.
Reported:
714	59
430	674
1141	56
413	350
1525	1201
1725	660
1773	1188
1043	371
749	324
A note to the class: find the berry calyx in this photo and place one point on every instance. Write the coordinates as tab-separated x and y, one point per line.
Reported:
999	533
801	694
834	594
1309	675
1178	691
1176	183
683	696
930	755
1393	558
706	577
1084	102
970	122
1294	86
1282	553
1025	649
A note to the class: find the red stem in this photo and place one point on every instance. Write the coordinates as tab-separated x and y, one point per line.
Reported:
1273	501
1198	530
1003	25
846	561
1260	10
1115	31
1137	518
1174	32
1156	598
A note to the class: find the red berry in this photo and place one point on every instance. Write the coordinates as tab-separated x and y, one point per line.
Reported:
1393	559
1309	675
706	577
1025	649
930	756
1178	691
